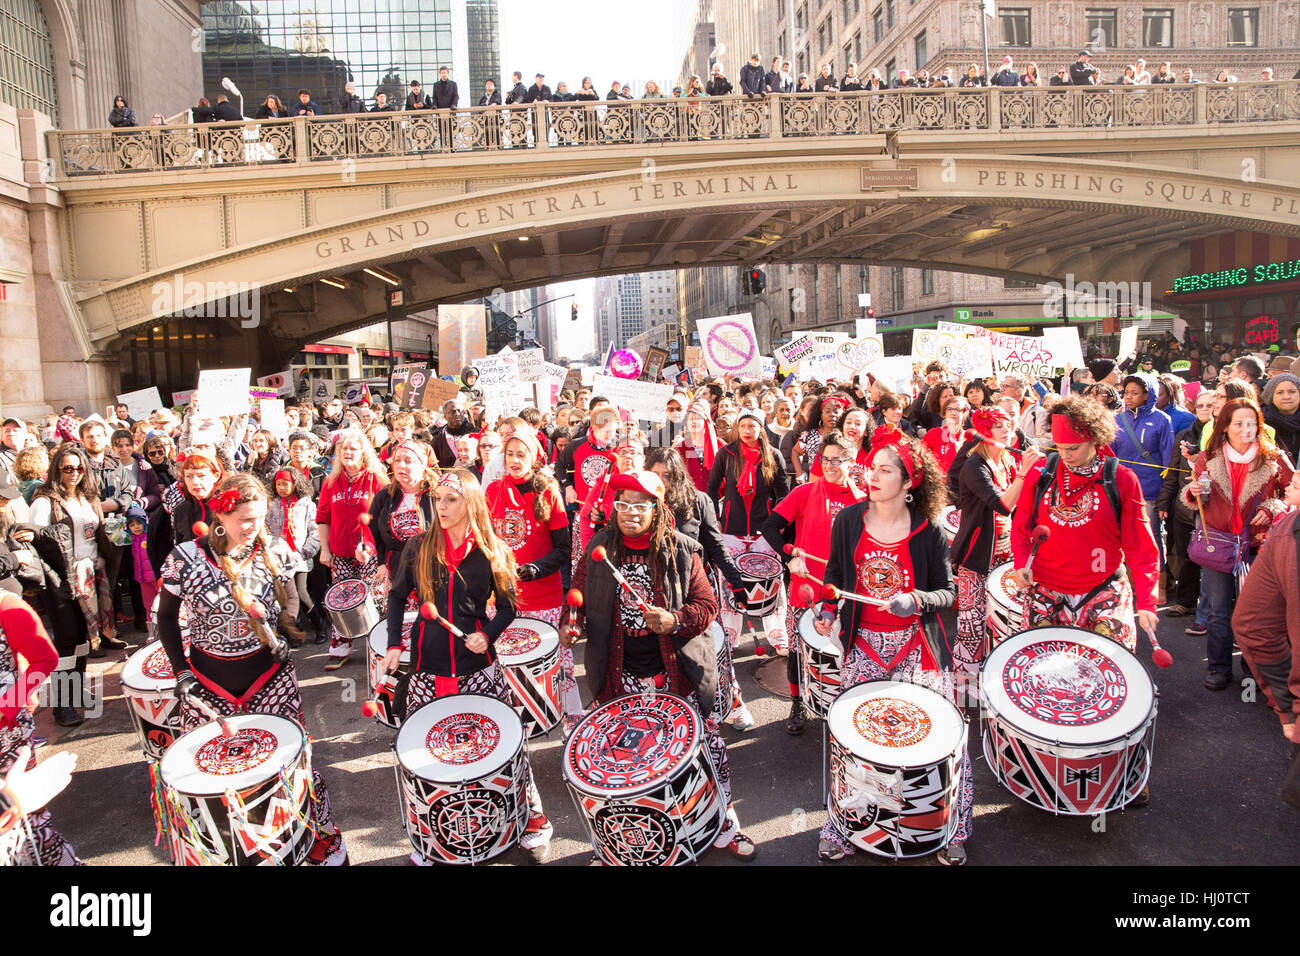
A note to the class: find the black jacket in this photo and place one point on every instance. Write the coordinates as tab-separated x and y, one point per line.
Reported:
493	100
517	93
276	459
1006	77
825	84
1083	74
718	86
55	546
299	108
928	549
265	112
1180	474
751	80
122	117
446	96
227	112
388	550
538	94
350	103
386	108
462	598
420	102
731	506
979	500
701	526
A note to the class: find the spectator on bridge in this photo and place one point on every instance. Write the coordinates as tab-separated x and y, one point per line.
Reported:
226	111
1082	72
677	93
805	85
1266	74
306	105
1006	74
271	109
772	80
923	80
1140	75
1062	78
973	77
751	76
349	102
874	82
1163	74
615	91
156	120
202	113
446	96
491	96
825	83
121	115
905	80
1190	77
1224	77
625	93
1128	77
417	99
1030	76
539	92
381	103
587	93
517	90
652	91
850	82
718	84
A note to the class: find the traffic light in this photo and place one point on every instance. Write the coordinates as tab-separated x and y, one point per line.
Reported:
573	312
871	312
753	281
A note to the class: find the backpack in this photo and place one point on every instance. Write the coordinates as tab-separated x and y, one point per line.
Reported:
1109	468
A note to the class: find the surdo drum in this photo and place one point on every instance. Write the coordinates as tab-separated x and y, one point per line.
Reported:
239	801
388	691
819	672
150	691
529	652
726	689
950	521
896	758
462	778
761	572
1005	605
641	778
1069	720
351	610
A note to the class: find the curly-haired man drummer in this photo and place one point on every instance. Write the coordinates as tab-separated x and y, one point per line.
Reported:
661	642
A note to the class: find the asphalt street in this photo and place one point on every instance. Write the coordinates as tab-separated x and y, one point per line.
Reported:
1220	759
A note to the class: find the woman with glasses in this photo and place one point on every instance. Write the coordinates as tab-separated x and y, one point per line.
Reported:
157	453
658	641
949	435
1240	480
70	539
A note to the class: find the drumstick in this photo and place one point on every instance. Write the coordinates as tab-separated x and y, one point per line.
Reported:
199	704
1039	535
574	597
598	553
371	707
1159	656
831	593
430	613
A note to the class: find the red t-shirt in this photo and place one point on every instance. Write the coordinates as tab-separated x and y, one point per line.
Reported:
589	463
342	503
940	442
811	508
883	571
516	524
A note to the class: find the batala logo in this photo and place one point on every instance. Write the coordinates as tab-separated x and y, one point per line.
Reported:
76	909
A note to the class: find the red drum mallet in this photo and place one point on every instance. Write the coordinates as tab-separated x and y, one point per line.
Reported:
227	729
831	593
430	613
574	597
1159	656
1037	536
598	553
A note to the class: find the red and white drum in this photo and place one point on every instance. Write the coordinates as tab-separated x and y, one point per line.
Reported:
1005	605
351	608
819	671
761	571
529	651
388	691
641	778
150	691
950	522
462	778
726	688
1069	720
896	757
239	801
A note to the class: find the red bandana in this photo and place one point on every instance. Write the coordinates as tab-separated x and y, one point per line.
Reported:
888	436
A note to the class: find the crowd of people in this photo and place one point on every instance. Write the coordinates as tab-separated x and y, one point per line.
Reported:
114	531
753	79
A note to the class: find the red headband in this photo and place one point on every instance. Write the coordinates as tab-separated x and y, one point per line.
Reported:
225	502
1064	432
451	479
888	436
283	475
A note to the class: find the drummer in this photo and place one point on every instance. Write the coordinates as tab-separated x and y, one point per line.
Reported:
890	547
458	566
527	511
810	509
1093	508
232	582
666	647
401	511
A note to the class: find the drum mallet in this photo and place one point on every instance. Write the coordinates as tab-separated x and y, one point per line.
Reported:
1159	656
430	613
831	593
201	705
574	597
1040	534
598	553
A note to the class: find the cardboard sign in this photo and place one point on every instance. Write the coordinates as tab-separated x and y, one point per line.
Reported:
730	346
271	413
531	363
358	393
182	398
768	366
322	390
435	393
671	372
572	381
970	358
1065	345
140	403
462	336
655	357
282	382
587	375
895	371
224	391
795	351
646	401
1033	357
417	380
856	354
1128	342
555	375
497	371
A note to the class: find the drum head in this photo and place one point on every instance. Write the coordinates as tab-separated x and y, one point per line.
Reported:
378	641
149	669
526	640
950	520
758	565
808	632
458	739
719	636
896	724
1002	586
346	595
1067	685
631	744
205	763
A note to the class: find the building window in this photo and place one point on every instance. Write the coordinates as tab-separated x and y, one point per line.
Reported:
1018	284
927	282
821	39
798	19
857	46
1099	25
802	65
1243	26
1157	28
848	14
848	55
27	60
891	70
780	45
780	9
896	280
891	14
1013	26
878	23
921	57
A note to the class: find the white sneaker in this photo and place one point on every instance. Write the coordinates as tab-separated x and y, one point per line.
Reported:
537	838
741	719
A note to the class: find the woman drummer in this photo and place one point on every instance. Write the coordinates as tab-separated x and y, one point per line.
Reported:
810	509
457	567
527	511
661	641
854	428
889	547
234	585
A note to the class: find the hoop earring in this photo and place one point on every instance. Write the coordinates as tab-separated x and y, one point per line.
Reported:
219	531
907	497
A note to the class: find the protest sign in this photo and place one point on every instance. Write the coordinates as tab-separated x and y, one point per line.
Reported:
695	359
417	380
864	328
437	391
531	364
282	382
970	358
730	345
182	398
1064	341
1128	342
497	371
768	365
140	403
795	351
322	390
224	391
1033	357
587	374
462	336
358	393
895	371
856	354
271	412
647	401
655	357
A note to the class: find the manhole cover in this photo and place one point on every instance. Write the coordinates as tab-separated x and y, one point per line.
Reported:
770	675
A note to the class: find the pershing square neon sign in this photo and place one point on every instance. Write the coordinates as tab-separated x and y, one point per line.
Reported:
1228	278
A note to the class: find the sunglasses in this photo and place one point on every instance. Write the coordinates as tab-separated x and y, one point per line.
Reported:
72	469
155	452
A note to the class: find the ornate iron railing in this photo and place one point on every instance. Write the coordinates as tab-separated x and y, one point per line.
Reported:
311	140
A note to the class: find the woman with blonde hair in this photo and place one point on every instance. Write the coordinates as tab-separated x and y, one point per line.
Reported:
355	477
236	662
460	567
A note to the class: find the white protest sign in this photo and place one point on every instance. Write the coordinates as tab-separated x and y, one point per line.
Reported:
497	371
182	398
795	351
532	365
865	328
272	414
1065	344
223	391
1033	357
768	365
971	358
647	401
730	345
282	382
322	390
140	403
854	355
960	330
1128	342
553	374
895	371
588	374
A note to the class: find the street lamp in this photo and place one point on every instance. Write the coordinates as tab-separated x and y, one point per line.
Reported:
229	85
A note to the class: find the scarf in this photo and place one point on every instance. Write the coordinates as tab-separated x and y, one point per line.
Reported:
748	480
287	504
711	442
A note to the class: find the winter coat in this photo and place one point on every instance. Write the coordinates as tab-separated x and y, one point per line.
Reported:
1155	440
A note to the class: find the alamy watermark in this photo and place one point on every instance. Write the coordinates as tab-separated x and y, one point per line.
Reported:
1099	300
209	300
